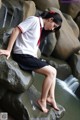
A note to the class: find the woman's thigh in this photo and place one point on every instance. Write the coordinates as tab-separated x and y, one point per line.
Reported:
46	70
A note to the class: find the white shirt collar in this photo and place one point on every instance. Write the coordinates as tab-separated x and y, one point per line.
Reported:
41	22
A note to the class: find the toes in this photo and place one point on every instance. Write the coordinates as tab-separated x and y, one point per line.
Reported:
56	108
53	105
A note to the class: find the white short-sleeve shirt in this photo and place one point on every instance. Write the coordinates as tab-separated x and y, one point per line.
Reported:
26	42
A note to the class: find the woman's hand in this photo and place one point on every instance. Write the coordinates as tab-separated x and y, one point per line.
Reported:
5	52
16	31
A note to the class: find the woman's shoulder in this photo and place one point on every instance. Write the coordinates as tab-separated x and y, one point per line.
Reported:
34	18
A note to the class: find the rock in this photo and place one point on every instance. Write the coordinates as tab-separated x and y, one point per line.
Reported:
14	14
67	43
63	69
73	24
48	43
42	5
0	3
77	20
2	91
6	37
29	9
3	15
78	92
24	107
72	7
12	77
74	62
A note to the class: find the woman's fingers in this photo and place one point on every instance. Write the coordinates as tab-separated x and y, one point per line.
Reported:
1	52
8	57
5	52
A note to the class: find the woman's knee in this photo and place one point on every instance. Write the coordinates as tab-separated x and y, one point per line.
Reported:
47	71
52	71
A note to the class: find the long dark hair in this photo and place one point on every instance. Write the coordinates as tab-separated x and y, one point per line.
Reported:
56	18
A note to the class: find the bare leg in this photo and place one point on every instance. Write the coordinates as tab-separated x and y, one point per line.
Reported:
51	100
51	94
46	87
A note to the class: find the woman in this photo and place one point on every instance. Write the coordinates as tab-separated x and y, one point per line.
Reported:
25	40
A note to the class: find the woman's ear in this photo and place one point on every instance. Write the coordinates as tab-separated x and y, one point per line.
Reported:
51	19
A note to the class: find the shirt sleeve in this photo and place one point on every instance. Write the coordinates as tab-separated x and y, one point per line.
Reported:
27	24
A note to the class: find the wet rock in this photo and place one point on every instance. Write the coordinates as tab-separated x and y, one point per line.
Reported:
24	107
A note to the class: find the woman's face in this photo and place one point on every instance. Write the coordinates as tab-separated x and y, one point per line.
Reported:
50	25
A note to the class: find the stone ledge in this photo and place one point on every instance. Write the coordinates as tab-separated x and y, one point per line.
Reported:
12	77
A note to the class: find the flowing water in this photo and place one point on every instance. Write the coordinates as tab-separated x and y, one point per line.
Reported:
64	96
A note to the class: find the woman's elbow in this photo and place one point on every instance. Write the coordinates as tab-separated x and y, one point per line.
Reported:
16	30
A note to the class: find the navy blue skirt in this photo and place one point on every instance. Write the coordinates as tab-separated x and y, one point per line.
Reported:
28	62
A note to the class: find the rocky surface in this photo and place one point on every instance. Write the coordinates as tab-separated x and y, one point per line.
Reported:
61	50
12	77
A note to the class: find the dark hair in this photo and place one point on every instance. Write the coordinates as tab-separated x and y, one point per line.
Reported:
56	18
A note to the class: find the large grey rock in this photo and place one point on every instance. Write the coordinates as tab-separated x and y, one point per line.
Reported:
13	4
29	9
73	24
2	91
12	77
67	42
6	37
15	13
74	62
48	44
24	107
71	7
42	5
3	15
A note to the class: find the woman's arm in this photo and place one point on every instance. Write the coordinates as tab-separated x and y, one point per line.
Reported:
12	40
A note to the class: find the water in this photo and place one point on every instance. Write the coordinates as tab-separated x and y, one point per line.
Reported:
72	83
65	97
71	103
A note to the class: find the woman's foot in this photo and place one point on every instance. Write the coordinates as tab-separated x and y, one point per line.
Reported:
42	106
52	102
